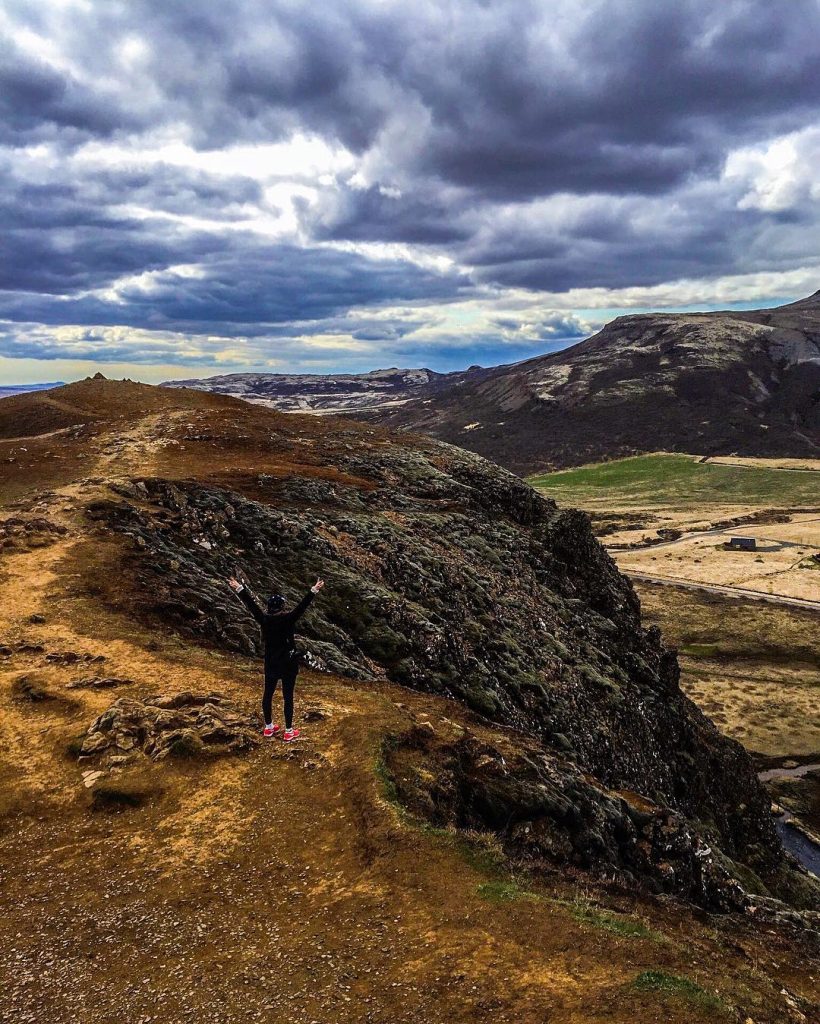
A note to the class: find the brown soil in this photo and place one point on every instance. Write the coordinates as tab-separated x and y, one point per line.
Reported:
285	885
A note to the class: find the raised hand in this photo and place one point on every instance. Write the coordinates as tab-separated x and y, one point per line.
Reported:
317	586
234	584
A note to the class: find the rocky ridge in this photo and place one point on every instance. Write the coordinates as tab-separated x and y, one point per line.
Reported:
329	393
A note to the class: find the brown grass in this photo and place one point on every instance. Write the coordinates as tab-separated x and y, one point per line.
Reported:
754	668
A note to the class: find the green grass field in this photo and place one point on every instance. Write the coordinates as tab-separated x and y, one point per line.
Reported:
679	480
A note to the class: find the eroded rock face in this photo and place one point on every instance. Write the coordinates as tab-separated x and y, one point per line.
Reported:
548	812
177	725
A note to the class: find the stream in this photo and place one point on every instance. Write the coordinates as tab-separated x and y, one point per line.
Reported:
795	841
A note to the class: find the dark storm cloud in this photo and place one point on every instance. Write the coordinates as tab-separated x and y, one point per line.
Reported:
36	101
543	146
641	243
245	288
81	250
92	195
375	215
517	98
94	256
174	190
648	95
61	236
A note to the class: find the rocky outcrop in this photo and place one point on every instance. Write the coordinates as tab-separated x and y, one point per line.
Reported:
178	725
22	533
547	812
449	575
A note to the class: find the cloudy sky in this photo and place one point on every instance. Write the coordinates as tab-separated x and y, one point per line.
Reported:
191	188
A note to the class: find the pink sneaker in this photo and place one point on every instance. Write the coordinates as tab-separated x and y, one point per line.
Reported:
270	730
290	735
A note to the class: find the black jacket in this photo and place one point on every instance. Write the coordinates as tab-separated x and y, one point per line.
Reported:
277	630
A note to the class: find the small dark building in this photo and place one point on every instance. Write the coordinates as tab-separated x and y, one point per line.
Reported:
742	543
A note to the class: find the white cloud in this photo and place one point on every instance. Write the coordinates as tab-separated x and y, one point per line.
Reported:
782	174
751	289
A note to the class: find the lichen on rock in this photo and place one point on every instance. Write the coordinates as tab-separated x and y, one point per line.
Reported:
171	725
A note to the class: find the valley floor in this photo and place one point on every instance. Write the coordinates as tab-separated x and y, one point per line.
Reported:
745	622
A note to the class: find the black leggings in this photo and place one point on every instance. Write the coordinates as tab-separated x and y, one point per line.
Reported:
273	673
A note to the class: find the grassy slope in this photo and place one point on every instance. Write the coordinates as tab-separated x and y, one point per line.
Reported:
660	479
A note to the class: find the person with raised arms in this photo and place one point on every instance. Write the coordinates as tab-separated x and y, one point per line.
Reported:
278	627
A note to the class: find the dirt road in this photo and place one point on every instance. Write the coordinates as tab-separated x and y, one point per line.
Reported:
740	593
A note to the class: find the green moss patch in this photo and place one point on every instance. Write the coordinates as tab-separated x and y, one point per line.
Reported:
680	987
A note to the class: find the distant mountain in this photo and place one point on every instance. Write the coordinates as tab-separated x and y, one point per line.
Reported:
7	390
332	393
709	383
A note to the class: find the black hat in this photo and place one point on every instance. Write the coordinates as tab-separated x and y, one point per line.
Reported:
276	602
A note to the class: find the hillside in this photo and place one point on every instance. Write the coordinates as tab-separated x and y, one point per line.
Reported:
330	393
712	383
497	755
8	390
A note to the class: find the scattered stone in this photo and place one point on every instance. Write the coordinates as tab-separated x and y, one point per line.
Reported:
72	658
37	620
30	688
99	683
23	534
186	699
171	725
90	777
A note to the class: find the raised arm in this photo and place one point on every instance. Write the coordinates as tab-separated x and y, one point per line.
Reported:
247	598
303	605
